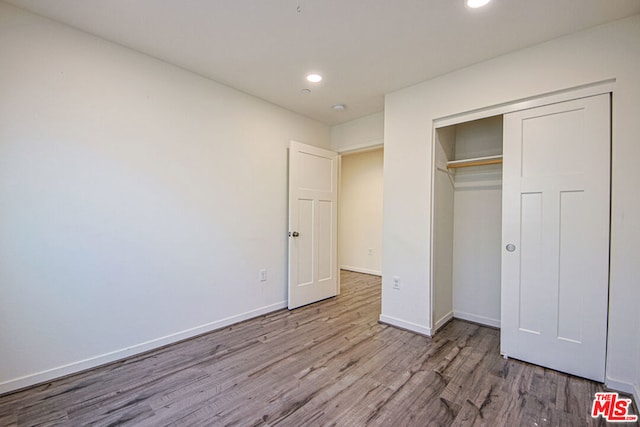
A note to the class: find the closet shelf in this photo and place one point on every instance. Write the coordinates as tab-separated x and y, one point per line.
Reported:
477	161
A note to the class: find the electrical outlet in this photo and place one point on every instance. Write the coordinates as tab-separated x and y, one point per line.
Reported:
263	275
396	283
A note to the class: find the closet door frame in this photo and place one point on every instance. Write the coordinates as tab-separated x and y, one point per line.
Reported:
597	88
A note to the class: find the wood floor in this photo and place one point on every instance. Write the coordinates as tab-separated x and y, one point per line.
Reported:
330	363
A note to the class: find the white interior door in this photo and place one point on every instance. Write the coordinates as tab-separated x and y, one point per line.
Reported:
313	228
555	263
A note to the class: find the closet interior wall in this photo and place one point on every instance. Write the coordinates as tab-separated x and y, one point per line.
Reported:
467	224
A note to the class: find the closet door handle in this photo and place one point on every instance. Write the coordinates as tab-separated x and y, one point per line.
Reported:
510	247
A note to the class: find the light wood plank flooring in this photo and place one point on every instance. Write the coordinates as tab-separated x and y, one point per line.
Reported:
330	363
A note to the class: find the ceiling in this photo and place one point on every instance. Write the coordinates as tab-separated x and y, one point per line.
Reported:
363	48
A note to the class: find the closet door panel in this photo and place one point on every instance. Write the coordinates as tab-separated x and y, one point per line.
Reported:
573	256
556	200
532	250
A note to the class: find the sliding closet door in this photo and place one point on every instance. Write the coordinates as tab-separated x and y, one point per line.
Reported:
555	262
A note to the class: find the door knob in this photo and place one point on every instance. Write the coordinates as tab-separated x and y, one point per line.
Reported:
510	247
295	234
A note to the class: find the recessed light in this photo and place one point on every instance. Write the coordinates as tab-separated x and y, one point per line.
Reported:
474	4
314	78
339	107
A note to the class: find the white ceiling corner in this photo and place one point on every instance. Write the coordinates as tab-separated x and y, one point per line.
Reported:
363	48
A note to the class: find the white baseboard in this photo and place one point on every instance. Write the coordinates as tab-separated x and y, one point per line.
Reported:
477	319
442	321
103	359
361	270
624	387
402	324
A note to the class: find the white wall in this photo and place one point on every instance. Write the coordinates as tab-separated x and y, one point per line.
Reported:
365	132
606	52
477	251
443	215
360	224
138	201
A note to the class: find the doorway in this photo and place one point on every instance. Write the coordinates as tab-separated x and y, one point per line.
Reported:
326	211
360	211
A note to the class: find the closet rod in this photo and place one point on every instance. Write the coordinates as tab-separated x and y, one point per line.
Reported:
478	161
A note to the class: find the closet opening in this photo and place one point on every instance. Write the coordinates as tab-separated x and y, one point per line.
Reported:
467	222
524	246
